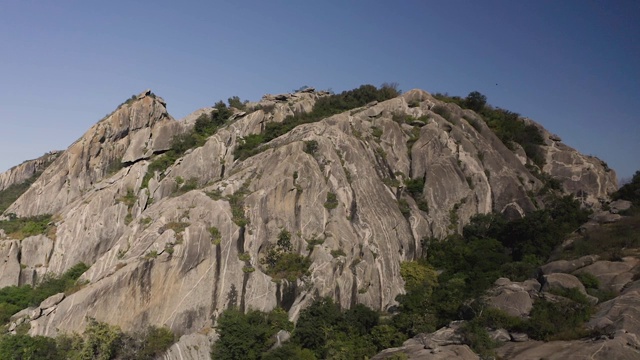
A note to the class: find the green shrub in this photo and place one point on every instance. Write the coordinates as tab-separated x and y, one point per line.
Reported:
20	228
323	108
236	201
404	208
216	238
414	187
588	280
16	298
310	147
630	191
235	102
338	253
247	336
332	201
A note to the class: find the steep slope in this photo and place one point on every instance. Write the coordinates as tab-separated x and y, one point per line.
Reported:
357	192
136	130
27	170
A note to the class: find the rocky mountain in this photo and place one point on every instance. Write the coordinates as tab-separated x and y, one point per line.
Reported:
172	238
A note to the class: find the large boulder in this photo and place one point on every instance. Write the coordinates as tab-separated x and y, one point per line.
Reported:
516	299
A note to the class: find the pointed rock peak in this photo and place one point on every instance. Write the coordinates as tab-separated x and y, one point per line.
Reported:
145	93
149	93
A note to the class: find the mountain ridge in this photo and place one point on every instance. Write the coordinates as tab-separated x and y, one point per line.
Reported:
357	191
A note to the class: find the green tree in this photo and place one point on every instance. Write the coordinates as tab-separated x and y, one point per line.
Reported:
235	102
475	101
247	336
630	191
24	347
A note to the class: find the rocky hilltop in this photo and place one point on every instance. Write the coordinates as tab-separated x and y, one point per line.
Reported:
353	193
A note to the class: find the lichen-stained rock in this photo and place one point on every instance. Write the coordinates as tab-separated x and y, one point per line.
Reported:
587	177
98	153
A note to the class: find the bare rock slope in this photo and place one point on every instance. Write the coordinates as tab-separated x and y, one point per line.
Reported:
177	256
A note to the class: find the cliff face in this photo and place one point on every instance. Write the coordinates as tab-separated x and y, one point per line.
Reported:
336	185
134	131
27	170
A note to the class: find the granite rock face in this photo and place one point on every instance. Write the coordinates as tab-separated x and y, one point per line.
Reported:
27	170
150	246
587	177
134	131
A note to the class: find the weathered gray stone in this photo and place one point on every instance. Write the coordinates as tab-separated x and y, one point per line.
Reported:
560	281
35	314
567	266
512	297
624	347
9	265
587	177
519	337
27	170
605	217
91	158
619	205
613	275
500	335
191	347
51	301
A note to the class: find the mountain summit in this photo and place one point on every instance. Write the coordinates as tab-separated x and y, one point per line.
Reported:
268	204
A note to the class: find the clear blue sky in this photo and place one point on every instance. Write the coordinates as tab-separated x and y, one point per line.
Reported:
573	66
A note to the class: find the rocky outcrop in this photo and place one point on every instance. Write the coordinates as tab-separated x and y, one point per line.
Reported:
516	299
27	170
343	200
134	131
446	343
587	177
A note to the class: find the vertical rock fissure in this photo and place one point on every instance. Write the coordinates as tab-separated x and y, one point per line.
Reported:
216	287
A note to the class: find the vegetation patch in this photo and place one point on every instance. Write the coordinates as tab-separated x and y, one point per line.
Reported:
236	201
507	125
9	195
205	126
178	228
331	202
98	341
607	240
20	228
216	237
310	147
323	108
16	298
282	263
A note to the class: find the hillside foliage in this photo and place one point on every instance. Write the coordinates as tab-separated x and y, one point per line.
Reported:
323	108
507	125
16	298
99	341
